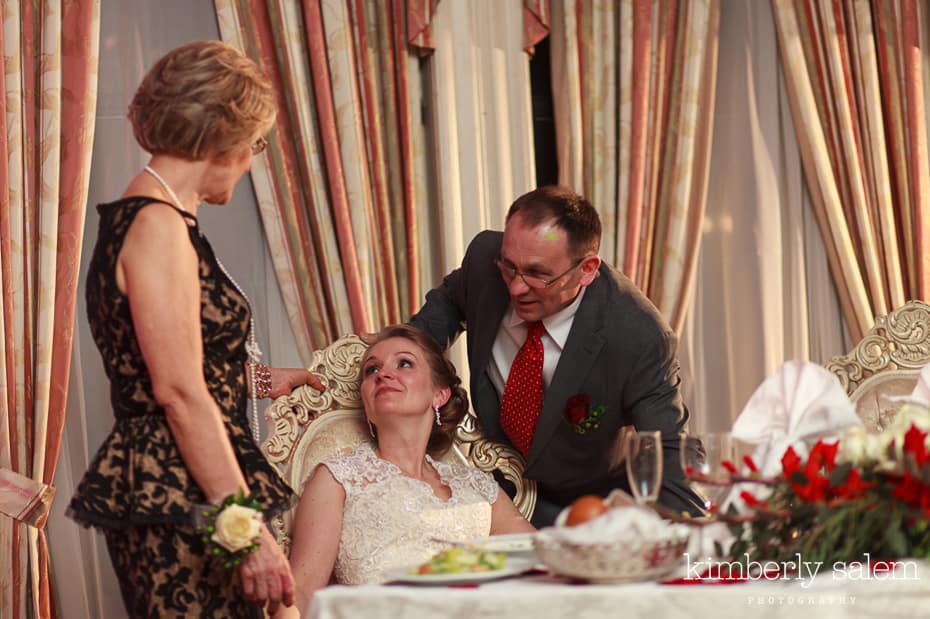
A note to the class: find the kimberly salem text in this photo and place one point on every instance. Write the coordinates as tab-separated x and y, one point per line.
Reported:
799	569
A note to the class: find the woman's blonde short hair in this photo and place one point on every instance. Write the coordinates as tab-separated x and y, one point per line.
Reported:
202	100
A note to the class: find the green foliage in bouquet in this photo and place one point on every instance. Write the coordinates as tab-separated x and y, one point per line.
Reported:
874	498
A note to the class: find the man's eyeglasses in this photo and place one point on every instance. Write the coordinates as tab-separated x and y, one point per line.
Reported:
533	281
259	145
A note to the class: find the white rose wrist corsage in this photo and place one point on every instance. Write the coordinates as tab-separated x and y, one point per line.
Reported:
231	528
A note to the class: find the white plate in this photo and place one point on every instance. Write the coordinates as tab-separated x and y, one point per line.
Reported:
509	543
514	566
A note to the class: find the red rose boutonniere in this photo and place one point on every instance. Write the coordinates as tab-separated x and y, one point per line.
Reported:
579	413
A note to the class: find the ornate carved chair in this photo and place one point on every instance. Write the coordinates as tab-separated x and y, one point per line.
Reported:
307	427
885	362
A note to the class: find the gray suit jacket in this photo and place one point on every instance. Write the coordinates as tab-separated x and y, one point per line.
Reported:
620	352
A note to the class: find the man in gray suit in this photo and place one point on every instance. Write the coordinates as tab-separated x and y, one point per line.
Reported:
538	297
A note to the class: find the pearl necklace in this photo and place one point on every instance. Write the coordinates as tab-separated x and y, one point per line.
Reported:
251	346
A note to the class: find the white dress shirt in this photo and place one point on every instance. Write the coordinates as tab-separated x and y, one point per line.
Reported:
512	335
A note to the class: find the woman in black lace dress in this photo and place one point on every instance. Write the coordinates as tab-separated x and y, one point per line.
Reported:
174	329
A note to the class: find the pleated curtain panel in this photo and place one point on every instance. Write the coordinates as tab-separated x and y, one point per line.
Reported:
49	90
855	78
346	184
633	84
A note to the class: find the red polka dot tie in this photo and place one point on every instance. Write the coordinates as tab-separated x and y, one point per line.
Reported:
522	401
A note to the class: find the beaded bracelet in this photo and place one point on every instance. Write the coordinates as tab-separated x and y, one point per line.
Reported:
231	528
261	381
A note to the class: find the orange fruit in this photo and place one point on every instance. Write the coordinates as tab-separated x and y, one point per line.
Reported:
585	508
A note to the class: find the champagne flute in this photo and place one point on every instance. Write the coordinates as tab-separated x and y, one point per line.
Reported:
644	465
702	457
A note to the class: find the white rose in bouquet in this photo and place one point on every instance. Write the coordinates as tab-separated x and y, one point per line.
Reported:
237	527
909	414
858	446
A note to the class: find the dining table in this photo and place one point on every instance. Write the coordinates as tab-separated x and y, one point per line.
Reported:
903	591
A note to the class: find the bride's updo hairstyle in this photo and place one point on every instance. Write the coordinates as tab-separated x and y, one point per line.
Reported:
444	375
202	100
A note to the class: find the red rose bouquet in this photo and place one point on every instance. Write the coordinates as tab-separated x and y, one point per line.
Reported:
867	494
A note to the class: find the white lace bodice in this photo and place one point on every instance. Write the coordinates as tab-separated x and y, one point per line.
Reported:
389	519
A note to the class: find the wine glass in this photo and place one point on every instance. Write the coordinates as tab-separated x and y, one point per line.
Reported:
644	465
702	457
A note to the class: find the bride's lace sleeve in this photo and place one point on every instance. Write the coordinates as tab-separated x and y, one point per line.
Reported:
334	468
342	471
468	477
484	484
358	469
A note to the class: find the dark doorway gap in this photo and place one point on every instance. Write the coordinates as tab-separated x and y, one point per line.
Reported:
547	164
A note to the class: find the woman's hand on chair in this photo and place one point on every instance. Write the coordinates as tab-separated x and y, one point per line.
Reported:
285	380
266	576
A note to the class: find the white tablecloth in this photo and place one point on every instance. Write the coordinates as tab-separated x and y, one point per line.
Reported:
830	595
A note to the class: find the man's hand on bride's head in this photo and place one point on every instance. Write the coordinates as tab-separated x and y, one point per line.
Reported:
285	380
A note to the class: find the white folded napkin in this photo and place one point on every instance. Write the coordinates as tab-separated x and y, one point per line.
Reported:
620	524
800	403
922	390
703	543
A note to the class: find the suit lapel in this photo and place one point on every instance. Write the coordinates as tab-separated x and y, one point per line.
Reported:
491	309
582	347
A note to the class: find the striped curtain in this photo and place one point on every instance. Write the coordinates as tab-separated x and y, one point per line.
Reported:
49	75
342	188
854	71
345	187
633	85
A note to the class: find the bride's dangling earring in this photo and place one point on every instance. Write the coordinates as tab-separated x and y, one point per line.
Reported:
371	427
438	421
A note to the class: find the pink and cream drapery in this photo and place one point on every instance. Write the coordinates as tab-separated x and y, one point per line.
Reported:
49	85
344	188
854	71
340	185
633	86
420	13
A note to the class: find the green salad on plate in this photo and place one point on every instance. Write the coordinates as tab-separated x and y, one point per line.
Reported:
460	559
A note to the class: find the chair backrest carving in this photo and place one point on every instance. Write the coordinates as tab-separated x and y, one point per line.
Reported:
885	362
308	427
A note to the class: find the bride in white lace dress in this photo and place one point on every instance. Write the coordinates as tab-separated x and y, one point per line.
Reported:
382	505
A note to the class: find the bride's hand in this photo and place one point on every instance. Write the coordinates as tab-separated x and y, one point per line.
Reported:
285	380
